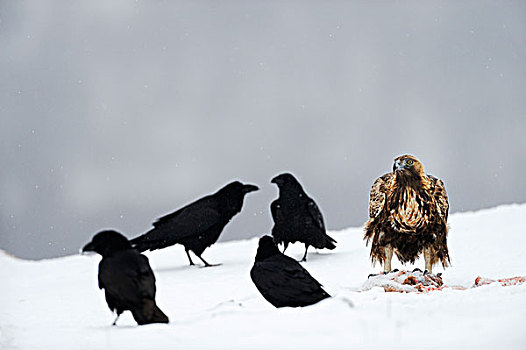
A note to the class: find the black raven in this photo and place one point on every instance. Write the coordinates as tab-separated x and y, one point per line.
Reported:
197	225
297	217
282	280
126	277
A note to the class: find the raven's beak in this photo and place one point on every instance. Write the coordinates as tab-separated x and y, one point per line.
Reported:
88	248
250	188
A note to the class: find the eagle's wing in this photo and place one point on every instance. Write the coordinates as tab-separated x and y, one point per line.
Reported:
439	193
378	194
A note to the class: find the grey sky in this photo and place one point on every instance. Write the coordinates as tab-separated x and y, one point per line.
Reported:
114	113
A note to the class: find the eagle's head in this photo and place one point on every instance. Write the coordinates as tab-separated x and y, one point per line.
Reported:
408	164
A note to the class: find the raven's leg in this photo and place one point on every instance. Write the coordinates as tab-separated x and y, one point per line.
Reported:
427	259
189	258
285	245
115	322
206	264
388	257
305	255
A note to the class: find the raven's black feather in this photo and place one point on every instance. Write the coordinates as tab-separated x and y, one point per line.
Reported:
126	277
282	280
197	225
296	216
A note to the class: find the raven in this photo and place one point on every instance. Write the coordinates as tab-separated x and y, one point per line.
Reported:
297	217
127	278
282	280
197	225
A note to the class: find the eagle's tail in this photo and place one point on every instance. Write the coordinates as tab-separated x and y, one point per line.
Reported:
377	253
440	253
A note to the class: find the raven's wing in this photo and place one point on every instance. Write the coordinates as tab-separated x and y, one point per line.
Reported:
440	195
378	194
146	280
276	211
278	217
202	213
127	279
315	214
189	221
284	282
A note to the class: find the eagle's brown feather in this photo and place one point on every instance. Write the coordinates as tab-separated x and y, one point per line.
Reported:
408	212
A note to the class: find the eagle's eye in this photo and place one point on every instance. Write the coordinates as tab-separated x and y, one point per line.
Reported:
410	162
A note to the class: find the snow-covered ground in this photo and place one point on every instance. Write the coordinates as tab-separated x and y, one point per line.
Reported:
56	304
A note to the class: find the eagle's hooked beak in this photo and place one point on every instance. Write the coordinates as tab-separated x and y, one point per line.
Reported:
398	165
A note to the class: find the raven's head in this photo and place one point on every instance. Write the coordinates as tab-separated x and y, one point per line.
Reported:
285	179
231	197
107	242
238	187
266	248
408	164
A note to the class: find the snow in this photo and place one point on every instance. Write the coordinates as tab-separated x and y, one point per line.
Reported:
56	304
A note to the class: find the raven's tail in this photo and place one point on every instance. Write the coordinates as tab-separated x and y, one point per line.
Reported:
152	240
330	242
149	313
141	243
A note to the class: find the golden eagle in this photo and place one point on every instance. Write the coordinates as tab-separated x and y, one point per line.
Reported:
408	215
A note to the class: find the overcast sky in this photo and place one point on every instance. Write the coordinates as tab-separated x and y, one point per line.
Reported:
114	113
